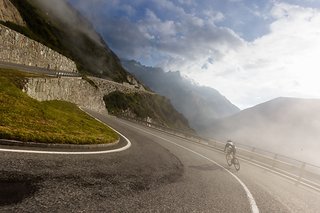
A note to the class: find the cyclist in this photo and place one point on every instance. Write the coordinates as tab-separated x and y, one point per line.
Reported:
230	148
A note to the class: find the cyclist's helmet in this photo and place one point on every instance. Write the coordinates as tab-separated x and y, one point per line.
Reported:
230	142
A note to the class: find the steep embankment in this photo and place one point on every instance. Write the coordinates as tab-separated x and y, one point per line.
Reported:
155	109
25	119
288	126
75	90
64	30
87	92
119	98
200	105
19	49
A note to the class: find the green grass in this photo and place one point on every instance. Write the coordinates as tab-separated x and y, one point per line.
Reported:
26	119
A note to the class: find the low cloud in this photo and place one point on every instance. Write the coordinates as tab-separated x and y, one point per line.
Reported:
281	63
68	16
162	28
181	35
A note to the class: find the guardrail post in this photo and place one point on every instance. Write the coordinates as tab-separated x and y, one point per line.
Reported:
302	169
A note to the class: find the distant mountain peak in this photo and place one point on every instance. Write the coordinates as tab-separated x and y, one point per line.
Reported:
200	105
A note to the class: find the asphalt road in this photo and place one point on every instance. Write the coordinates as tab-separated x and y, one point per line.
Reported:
37	70
158	173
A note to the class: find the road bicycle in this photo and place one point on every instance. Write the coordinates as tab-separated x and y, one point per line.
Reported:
232	159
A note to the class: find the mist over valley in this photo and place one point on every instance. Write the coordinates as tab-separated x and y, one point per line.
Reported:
287	126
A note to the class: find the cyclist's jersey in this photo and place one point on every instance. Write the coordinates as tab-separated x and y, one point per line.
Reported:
231	148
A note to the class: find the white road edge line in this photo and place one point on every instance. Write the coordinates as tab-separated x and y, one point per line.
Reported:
281	174
253	205
277	171
75	153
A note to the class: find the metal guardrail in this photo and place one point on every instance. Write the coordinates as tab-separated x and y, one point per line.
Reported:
300	172
66	74
167	129
39	70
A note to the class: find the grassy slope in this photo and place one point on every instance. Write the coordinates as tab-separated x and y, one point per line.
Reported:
146	105
26	119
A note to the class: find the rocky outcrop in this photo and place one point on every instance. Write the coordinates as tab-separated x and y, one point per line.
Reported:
9	13
91	94
107	86
74	90
199	104
19	49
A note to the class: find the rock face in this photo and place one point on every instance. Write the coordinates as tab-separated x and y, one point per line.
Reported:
107	86
91	94
9	13
200	105
17	48
74	90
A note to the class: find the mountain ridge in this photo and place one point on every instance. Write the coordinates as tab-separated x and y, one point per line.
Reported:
200	105
74	37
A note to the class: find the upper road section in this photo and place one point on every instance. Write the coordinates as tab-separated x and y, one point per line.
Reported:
38	70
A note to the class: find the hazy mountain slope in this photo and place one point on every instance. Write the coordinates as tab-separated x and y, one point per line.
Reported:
284	125
200	105
155	108
60	27
57	25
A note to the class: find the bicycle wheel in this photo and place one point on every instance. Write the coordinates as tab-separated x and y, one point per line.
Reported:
236	164
229	159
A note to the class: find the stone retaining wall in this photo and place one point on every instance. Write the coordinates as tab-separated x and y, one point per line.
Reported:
107	86
19	49
74	90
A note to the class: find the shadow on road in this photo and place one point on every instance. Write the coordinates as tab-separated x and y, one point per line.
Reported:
207	167
14	188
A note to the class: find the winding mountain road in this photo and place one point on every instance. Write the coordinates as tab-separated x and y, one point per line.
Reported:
158	173
38	70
